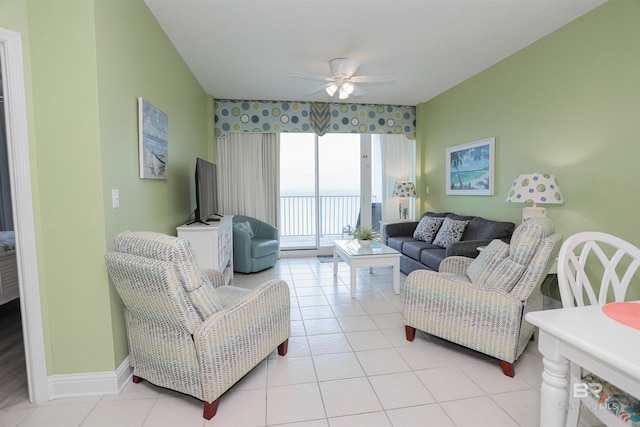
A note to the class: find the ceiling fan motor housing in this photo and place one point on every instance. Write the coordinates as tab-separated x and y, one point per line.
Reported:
343	67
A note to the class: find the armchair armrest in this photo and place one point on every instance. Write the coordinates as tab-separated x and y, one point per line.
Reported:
399	229
251	328
455	265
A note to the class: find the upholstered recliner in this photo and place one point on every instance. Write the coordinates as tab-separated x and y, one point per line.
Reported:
186	330
256	246
481	303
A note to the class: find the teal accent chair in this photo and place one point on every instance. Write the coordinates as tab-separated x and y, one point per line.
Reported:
254	253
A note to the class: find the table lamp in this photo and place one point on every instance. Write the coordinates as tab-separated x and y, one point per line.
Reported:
536	188
403	189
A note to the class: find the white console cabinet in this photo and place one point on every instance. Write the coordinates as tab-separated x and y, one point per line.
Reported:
212	244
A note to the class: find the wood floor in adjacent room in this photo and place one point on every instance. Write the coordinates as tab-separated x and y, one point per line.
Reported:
13	387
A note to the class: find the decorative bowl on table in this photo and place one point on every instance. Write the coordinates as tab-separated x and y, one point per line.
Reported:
365	243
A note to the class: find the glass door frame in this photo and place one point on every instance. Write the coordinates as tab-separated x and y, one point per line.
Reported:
365	198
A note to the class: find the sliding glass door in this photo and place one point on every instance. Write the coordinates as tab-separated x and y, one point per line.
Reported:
320	181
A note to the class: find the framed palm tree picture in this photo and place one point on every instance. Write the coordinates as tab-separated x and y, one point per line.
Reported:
470	168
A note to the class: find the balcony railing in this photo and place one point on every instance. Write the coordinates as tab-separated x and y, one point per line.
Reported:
298	215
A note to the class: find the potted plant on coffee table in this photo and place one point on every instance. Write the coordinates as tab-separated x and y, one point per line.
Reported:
365	236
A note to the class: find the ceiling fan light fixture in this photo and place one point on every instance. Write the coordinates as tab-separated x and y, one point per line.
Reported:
331	89
348	88
343	93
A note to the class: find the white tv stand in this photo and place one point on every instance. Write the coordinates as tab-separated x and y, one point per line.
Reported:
212	245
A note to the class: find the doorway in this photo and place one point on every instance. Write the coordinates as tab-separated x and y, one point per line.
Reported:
12	71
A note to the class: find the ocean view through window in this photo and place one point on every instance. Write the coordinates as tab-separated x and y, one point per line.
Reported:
319	188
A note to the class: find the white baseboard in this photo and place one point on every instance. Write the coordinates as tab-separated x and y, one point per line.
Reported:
90	383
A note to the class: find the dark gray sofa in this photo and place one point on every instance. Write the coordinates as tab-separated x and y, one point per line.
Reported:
417	254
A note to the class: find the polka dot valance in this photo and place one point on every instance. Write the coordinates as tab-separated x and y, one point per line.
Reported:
281	116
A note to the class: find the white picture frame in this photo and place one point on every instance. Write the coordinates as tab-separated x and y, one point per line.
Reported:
470	168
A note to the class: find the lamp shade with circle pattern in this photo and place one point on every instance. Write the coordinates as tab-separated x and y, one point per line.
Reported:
536	188
404	189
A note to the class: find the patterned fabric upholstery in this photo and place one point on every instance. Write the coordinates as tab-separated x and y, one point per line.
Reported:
524	245
428	228
177	251
169	344
621	404
485	318
450	232
506	275
482	266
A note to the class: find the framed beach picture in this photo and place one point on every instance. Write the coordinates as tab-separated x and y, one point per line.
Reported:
470	168
153	141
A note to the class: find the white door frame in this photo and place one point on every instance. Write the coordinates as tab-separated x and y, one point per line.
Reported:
20	173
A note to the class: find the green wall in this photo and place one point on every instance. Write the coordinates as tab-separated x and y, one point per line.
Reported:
89	62
569	105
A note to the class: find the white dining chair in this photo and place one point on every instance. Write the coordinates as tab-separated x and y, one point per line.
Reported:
597	268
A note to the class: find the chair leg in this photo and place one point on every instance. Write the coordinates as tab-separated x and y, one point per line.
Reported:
507	368
210	409
410	332
137	379
283	348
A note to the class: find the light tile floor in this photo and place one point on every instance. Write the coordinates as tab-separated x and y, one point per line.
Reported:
348	364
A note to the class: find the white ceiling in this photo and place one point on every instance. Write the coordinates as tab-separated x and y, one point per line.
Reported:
245	49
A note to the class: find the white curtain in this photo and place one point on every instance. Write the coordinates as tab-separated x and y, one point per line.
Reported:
398	164
248	175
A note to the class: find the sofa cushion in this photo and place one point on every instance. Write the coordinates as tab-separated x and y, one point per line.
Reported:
414	248
428	228
397	242
481	267
433	257
460	217
483	229
450	232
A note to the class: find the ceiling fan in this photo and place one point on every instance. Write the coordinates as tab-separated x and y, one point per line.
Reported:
343	82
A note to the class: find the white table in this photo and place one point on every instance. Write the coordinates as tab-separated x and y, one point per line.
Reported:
356	256
588	337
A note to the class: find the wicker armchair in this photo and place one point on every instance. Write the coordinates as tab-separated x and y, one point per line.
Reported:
186	330
481	303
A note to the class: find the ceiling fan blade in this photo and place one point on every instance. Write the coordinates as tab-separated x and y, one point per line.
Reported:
374	78
308	76
316	90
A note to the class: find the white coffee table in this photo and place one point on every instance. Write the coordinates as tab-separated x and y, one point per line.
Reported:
356	256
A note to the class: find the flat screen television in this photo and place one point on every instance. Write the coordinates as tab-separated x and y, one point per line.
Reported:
206	192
